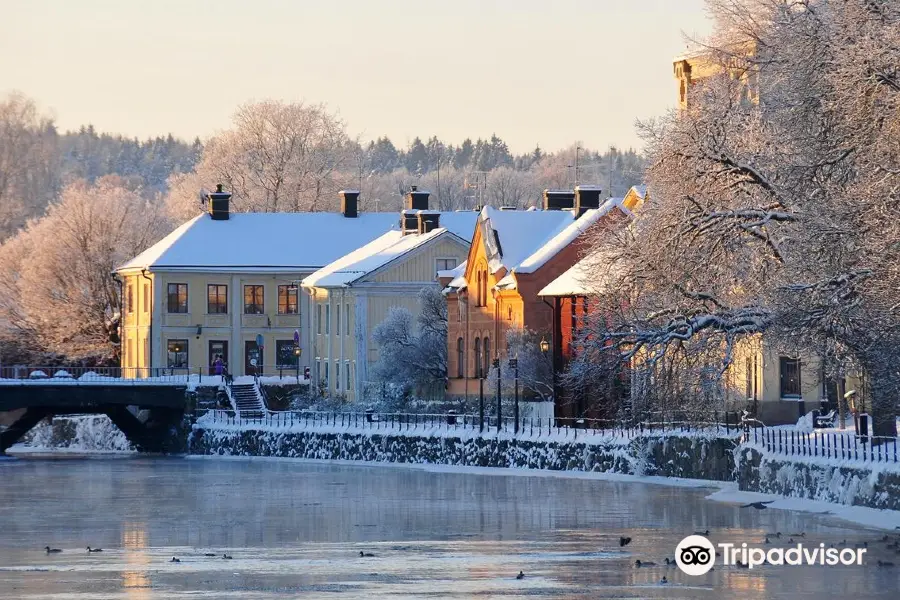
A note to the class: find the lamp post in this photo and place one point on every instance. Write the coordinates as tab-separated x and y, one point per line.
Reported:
499	415
297	352
545	348
514	365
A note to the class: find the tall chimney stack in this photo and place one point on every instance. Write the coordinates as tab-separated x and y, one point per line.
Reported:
349	203
218	204
586	198
558	199
417	199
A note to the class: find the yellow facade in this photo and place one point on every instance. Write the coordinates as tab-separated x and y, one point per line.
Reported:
148	326
343	344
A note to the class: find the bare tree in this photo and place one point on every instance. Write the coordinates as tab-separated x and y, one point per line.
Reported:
55	282
774	203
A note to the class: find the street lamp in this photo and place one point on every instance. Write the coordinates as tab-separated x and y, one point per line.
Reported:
297	352
497	366
514	365
545	345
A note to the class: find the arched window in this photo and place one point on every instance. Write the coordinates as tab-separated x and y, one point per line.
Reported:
477	347
487	356
460	358
484	282
509	313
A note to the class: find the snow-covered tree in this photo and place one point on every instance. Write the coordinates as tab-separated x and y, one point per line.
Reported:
413	350
775	204
535	367
56	288
278	156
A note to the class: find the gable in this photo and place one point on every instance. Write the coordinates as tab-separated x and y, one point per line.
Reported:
420	265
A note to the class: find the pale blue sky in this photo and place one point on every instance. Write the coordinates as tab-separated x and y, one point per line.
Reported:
545	72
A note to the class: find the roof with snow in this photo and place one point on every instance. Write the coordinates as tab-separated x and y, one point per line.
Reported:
528	239
274	242
369	258
590	274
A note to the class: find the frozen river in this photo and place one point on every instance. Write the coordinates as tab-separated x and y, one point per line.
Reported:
295	530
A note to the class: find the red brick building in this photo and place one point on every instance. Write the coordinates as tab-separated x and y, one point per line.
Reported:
514	255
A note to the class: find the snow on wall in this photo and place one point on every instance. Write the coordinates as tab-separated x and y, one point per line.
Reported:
875	485
79	433
662	455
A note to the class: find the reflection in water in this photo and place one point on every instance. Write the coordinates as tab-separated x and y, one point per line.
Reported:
296	528
134	541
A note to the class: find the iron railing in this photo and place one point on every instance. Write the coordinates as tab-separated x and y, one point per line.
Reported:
22	374
846	446
402	422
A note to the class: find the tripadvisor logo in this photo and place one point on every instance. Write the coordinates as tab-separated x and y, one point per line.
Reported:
695	555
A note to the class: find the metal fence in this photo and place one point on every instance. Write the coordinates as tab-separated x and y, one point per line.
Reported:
69	373
401	422
834	445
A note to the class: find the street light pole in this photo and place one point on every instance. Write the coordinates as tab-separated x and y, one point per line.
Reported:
514	365
499	415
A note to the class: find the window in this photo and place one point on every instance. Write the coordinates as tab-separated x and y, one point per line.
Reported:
327	381
478	363
790	377
285	357
129	298
460	357
347	369
177	298
216	299
146	306
287	299
319	318
347	320
445	264
146	351
337	375
337	320
177	354
509	313
253	300
327	319
487	356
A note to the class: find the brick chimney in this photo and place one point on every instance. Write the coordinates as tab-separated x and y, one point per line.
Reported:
349	203
428	221
417	199
586	198
558	199
218	204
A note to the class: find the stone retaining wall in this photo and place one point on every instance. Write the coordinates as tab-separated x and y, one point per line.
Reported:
671	456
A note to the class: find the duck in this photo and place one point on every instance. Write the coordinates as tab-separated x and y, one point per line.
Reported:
89	549
777	534
758	505
227	557
663	581
52	550
741	565
366	554
624	541
211	554
639	564
670	561
175	560
790	540
521	575
702	532
767	540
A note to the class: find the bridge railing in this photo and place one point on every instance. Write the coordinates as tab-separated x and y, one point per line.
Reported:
63	373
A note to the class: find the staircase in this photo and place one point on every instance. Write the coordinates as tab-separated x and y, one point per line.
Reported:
247	400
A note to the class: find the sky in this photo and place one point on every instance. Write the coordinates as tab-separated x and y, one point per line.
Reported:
535	72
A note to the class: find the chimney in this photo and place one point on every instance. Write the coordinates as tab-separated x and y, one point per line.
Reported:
416	199
586	198
218	204
428	221
558	199
409	221
349	203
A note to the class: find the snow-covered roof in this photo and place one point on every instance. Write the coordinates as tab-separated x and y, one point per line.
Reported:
521	232
274	242
567	235
455	272
590	274
379	252
459	278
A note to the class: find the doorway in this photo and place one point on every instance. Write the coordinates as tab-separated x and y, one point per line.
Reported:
252	358
217	349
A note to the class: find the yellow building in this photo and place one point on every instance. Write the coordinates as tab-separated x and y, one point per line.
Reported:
352	295
694	66
221	281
